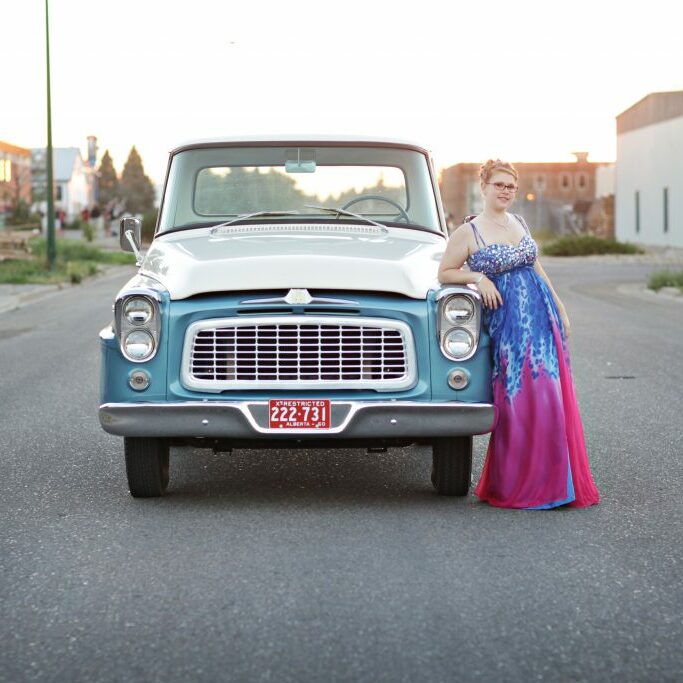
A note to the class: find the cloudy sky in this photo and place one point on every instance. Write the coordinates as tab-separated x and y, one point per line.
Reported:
519	80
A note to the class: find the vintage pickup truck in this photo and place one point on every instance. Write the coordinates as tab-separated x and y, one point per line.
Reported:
289	299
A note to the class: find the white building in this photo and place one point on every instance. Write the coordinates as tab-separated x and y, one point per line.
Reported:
649	171
73	179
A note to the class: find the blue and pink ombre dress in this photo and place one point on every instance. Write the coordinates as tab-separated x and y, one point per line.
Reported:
536	457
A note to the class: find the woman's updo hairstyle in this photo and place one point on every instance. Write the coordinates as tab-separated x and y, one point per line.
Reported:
487	169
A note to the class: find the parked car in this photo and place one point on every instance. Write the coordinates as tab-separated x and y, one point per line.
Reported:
289	299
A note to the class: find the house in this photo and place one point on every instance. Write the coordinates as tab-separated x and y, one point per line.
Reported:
558	197
15	176
649	177
74	180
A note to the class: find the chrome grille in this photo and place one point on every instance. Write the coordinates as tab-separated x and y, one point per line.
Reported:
291	351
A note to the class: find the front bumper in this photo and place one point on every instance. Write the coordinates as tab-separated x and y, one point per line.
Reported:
249	420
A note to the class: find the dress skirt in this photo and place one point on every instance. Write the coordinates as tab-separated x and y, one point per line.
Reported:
536	457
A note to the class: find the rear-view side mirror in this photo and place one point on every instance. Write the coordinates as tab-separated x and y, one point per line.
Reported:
130	234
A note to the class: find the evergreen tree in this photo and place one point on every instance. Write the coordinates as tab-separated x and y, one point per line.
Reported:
107	180
136	188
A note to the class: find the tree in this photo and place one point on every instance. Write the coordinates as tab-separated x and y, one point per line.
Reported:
135	187
107	180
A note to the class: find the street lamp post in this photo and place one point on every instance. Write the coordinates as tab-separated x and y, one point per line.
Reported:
51	248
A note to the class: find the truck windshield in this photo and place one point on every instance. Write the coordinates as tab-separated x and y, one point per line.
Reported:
208	186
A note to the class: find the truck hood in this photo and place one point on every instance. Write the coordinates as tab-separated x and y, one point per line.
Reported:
285	256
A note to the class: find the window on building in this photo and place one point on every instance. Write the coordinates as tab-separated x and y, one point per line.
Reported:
637	211
565	181
581	181
539	182
58	193
666	209
5	170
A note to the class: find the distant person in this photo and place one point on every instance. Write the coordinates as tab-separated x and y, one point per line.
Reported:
537	456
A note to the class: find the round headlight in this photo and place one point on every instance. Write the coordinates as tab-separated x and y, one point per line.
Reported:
139	344
458	343
458	309
138	311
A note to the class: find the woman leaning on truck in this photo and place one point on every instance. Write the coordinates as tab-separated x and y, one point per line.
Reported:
536	457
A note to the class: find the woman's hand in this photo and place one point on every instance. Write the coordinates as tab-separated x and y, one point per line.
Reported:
565	322
489	294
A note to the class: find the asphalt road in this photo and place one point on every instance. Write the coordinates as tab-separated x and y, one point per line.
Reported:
339	565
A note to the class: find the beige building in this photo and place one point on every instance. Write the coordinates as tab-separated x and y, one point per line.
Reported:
561	197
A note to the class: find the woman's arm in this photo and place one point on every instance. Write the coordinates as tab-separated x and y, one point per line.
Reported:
457	251
451	273
558	302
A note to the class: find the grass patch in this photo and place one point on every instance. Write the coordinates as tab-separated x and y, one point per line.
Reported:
72	250
75	261
666	278
584	245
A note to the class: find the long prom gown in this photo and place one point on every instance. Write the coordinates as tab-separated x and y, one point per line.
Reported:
536	457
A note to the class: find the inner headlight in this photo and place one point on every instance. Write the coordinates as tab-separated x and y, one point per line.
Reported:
458	309
139	344
458	343
138	311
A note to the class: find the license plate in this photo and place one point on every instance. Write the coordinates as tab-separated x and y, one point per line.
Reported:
296	413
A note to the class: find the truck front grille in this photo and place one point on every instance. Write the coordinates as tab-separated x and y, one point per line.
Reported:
299	351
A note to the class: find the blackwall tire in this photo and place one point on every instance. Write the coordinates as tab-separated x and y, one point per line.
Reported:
147	466
452	465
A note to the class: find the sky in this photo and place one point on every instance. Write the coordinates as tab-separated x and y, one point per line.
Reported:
521	81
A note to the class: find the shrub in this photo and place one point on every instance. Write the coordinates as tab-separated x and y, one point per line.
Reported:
666	278
149	222
88	230
583	245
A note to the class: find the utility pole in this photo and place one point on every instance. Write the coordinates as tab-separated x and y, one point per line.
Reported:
51	247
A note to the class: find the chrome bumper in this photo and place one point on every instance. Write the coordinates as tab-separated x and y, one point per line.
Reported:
249	419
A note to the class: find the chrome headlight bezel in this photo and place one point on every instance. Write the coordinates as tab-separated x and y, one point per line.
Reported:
465	298
125	326
138	310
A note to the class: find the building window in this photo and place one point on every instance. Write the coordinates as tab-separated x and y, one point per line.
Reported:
565	181
666	209
5	170
58	193
539	182
581	181
637	212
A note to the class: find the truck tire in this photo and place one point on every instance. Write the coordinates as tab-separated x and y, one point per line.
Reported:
146	466
452	465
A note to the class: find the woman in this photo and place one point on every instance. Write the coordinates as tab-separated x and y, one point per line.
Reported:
537	456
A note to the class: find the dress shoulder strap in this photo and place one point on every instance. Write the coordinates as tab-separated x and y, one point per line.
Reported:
477	237
523	222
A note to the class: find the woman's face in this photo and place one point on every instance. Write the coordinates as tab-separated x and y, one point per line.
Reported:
500	190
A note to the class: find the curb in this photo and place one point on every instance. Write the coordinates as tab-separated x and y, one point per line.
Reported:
644	292
13	297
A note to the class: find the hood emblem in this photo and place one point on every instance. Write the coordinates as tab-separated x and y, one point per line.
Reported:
299	297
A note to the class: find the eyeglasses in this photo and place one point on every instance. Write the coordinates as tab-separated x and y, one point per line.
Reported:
502	186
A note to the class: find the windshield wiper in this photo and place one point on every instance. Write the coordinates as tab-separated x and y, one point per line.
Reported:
344	212
244	216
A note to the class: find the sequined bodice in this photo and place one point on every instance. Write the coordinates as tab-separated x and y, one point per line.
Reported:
494	259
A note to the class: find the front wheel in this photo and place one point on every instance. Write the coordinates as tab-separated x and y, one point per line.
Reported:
146	466
452	465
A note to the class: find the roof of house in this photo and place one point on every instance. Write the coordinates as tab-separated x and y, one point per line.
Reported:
653	108
63	161
13	149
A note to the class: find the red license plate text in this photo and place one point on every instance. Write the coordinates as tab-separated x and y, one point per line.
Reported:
296	413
